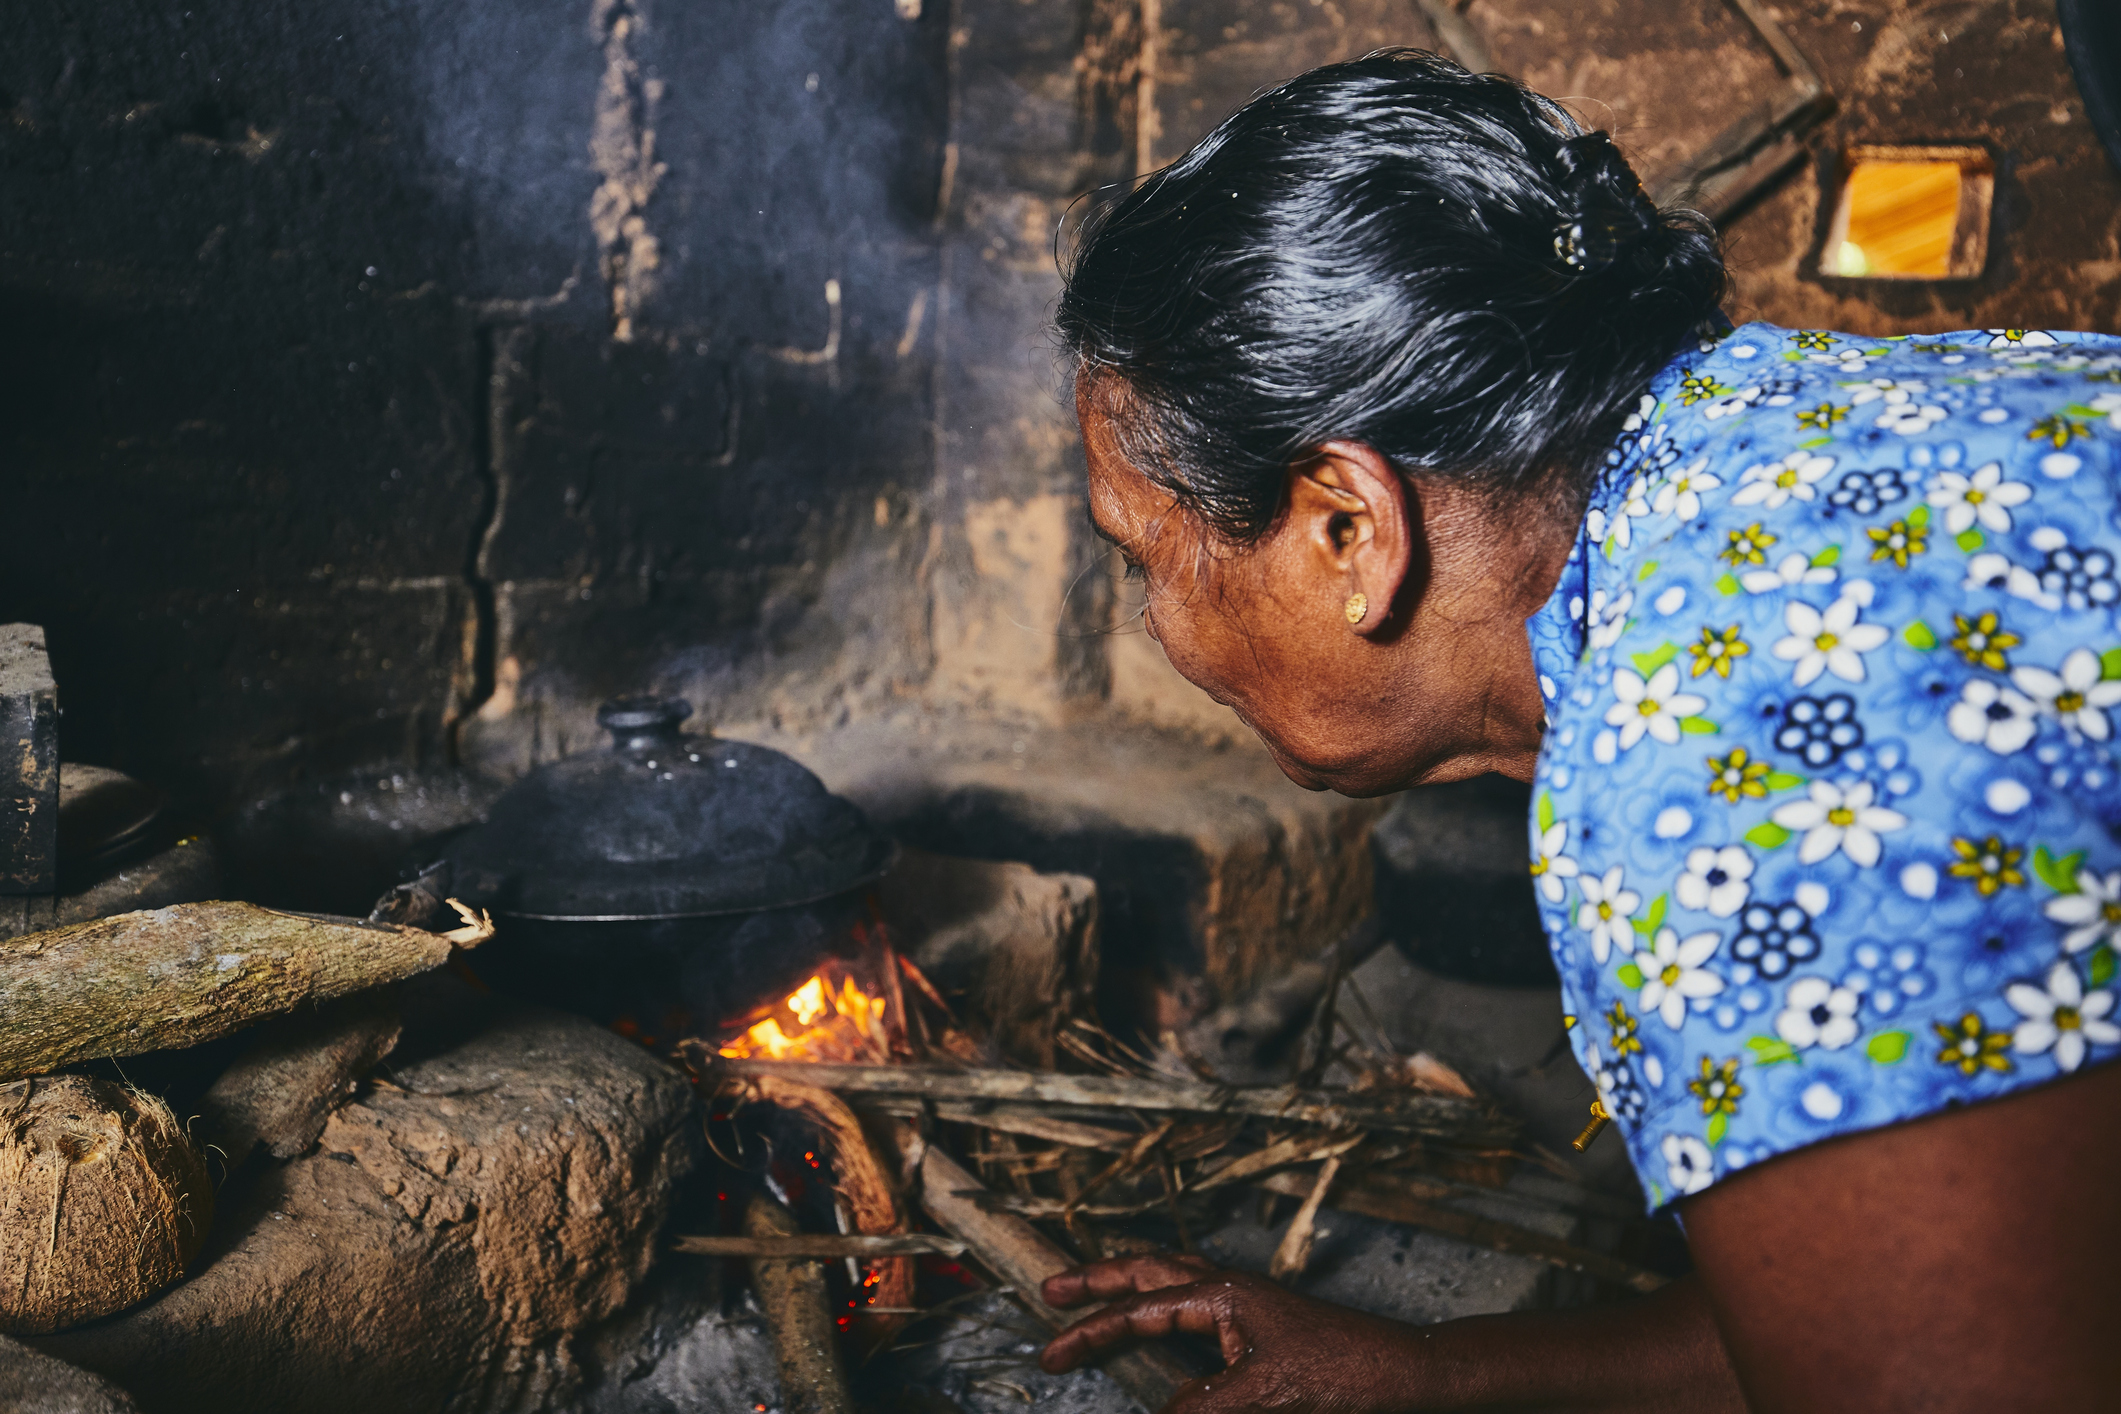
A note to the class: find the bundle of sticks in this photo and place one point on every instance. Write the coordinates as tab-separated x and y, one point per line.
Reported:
1026	1173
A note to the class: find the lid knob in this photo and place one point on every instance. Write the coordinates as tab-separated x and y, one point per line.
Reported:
636	723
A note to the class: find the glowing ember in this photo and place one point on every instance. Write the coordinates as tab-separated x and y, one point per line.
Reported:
847	1024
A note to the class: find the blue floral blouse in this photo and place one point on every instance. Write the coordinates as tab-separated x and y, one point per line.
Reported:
1826	815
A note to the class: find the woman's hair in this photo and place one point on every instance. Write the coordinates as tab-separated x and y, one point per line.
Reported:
1442	265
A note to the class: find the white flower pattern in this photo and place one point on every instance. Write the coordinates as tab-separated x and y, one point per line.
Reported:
1673	975
1681	495
1606	911
1633	507
1985	497
1715	880
1815	1012
2060	1016
1609	621
1998	717
2076	696
1689	1166
1654	707
1551	867
1900	412
2092	914
1789	572
1771	484
1835	819
1993	571
1833	641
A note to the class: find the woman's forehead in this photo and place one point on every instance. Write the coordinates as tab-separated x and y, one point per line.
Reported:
1126	507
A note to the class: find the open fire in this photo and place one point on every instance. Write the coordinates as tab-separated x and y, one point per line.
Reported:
843	1024
870	1006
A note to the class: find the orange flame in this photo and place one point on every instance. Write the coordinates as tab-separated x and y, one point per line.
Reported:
843	1025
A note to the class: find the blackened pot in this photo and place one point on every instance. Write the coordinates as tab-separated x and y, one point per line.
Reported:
669	881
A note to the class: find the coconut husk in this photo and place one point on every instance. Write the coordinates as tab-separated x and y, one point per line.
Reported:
103	1201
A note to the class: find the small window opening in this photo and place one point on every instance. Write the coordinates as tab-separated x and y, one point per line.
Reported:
1911	213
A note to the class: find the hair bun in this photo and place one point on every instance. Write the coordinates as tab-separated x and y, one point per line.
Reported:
1605	209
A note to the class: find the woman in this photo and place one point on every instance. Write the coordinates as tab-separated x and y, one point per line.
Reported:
1421	426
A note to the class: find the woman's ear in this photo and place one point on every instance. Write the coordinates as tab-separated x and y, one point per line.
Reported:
1357	523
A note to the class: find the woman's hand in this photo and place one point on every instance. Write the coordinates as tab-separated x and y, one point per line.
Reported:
1657	1354
1283	1351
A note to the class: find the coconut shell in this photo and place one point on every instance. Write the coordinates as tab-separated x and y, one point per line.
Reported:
103	1200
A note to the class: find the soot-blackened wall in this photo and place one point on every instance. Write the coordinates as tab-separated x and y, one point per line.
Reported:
366	362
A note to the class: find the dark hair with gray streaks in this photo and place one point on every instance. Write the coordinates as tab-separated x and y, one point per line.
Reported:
1439	264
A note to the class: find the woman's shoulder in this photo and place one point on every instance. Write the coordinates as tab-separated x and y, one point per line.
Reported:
1817	386
1824	428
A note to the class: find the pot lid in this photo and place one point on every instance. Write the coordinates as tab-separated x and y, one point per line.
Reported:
664	825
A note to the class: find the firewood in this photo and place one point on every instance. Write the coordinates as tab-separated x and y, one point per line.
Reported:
102	1201
1441	1117
1022	1258
821	1245
798	1311
861	1181
1377	1195
171	977
300	1069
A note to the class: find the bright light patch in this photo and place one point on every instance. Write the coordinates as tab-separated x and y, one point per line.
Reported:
1910	213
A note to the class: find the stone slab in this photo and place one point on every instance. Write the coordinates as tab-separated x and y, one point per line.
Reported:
35	1383
455	1232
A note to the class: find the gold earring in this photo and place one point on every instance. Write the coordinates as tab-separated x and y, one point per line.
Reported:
1357	607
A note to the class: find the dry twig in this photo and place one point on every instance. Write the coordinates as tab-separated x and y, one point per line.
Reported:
1294	1249
1373	1196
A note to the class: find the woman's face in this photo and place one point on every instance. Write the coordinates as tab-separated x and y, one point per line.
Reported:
1429	685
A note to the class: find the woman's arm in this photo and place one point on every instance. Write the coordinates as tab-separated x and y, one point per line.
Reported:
1968	1261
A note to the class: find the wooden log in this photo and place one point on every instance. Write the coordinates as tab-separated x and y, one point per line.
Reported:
1435	1116
1021	1256
300	1069
824	1245
1376	1195
171	977
798	1309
